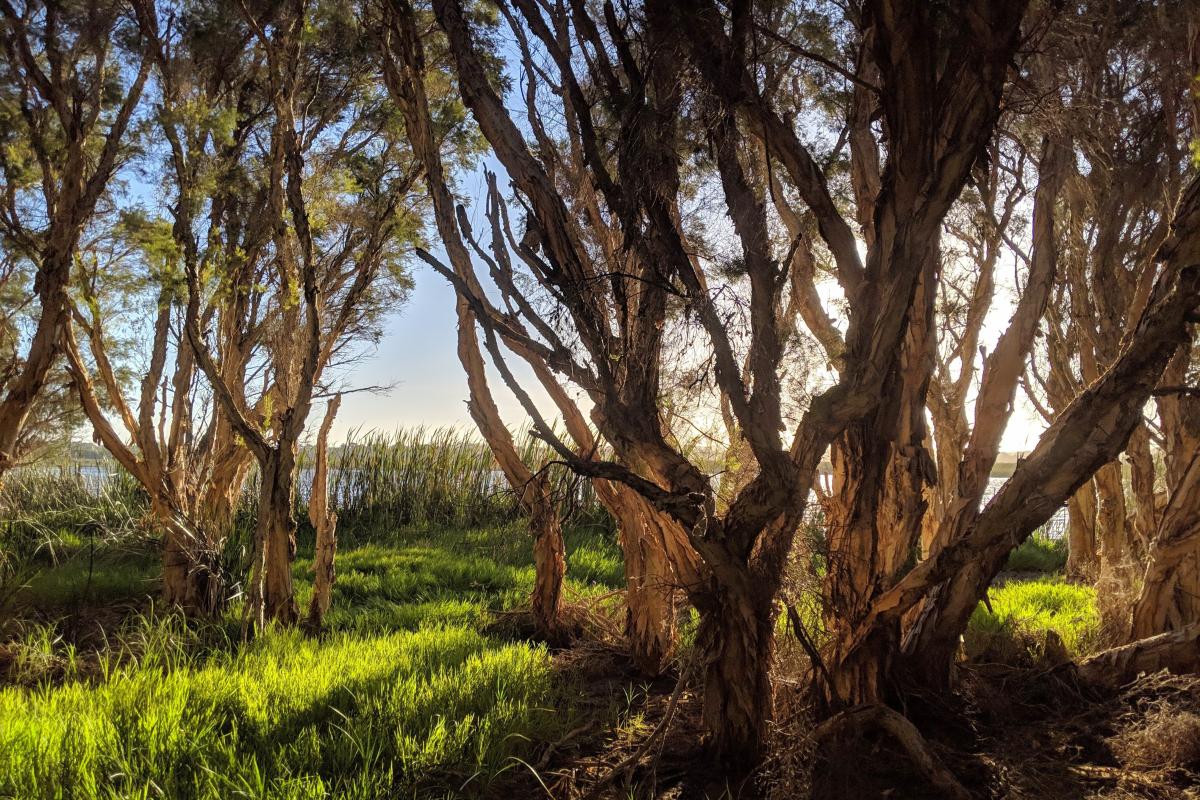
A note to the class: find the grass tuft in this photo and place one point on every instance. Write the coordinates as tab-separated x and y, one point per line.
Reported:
1021	614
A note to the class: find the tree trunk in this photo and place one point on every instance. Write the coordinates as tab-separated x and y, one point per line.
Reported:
649	588
192	577
549	556
1177	651
271	594
736	634
1170	596
324	522
23	389
1143	522
1081	534
1116	557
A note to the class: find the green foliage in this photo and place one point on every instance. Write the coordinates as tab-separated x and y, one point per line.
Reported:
1023	611
1038	553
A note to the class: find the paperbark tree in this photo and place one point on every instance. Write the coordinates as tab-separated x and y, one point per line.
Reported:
177	443
656	552
65	136
635	103
1129	114
335	181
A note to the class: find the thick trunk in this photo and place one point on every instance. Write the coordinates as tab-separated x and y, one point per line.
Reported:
1081	534
650	592
192	577
1177	651
860	671
1170	596
736	632
271	594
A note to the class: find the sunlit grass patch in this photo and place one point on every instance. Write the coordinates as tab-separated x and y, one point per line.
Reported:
284	717
1023	611
404	696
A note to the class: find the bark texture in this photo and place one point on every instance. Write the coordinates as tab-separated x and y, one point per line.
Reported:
324	522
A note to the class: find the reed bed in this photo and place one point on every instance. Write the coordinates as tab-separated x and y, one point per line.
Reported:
429	477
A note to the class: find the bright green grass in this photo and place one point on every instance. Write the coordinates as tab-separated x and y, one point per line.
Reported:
1038	553
405	697
1022	611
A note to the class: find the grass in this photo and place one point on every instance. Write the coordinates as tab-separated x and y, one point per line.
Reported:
407	695
1038	553
1022	612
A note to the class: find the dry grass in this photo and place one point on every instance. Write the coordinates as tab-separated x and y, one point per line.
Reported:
1166	738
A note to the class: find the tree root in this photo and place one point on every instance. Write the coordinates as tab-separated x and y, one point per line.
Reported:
906	735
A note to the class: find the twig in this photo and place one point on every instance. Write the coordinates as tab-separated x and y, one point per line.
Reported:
628	763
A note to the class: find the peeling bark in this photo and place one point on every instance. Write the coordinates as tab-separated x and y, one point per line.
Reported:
1177	651
324	522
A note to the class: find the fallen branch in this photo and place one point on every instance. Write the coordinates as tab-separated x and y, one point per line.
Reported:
1175	651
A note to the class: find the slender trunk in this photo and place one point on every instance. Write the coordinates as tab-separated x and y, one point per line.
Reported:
1117	572
1082	560
324	522
1115	559
549	557
23	390
1143	522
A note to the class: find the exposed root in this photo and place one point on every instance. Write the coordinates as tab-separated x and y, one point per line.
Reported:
906	735
630	762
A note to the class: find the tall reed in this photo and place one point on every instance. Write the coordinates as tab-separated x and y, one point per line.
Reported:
430	477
